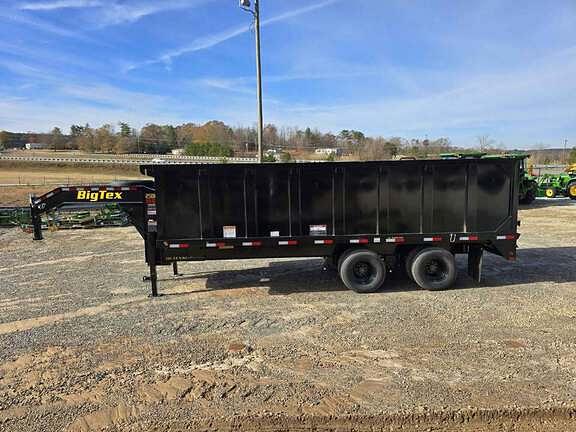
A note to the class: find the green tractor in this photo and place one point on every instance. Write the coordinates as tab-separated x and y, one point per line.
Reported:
553	185
528	190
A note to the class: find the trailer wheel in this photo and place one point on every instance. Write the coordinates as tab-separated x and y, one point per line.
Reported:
550	192
362	271
409	260
571	190
434	269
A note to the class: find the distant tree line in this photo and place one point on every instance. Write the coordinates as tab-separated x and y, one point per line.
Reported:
215	138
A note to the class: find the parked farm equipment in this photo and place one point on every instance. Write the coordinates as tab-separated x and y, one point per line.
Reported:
553	185
69	217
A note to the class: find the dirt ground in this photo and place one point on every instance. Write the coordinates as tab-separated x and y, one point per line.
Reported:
280	344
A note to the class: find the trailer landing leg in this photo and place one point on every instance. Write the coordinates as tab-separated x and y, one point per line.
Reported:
175	268
475	262
153	278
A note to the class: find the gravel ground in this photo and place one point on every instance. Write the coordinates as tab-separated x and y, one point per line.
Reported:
282	345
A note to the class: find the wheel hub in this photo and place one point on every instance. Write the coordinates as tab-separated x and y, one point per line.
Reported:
435	270
362	270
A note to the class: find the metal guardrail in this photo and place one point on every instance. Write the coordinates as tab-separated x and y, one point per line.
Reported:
157	159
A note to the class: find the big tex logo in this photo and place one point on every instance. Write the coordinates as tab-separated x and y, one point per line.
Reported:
98	196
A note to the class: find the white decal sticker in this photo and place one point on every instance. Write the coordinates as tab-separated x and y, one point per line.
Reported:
318	230
229	231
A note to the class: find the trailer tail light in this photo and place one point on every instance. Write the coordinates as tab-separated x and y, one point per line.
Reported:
506	237
433	239
288	243
395	240
324	242
179	246
252	243
150	199
359	241
469	238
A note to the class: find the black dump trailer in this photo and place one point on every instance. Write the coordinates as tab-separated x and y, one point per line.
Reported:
365	218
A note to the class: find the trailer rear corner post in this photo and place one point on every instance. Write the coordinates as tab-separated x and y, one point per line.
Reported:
475	254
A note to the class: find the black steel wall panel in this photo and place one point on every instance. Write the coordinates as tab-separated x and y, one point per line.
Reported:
360	200
493	196
293	200
405	198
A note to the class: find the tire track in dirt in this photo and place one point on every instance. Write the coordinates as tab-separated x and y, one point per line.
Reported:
30	323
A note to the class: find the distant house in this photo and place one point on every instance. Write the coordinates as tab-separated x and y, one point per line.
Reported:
178	152
328	151
36	146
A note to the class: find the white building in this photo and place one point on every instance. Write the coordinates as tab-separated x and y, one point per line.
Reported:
328	151
36	146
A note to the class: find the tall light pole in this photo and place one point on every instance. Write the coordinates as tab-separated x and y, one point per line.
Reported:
245	5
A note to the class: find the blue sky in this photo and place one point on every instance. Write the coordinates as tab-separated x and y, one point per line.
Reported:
410	68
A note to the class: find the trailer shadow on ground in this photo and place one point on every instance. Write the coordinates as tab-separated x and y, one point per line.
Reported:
534	265
548	202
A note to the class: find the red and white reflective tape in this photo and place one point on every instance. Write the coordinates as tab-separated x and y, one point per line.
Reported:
179	246
252	243
288	243
377	240
468	238
433	239
324	242
218	245
395	240
359	241
506	237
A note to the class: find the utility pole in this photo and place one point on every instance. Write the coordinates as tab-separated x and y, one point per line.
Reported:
245	5
565	145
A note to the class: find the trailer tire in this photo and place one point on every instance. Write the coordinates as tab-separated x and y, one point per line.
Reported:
434	269
409	260
571	190
362	271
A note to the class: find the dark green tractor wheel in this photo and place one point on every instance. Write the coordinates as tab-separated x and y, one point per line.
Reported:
528	197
